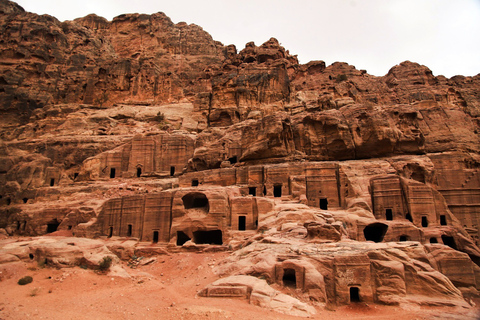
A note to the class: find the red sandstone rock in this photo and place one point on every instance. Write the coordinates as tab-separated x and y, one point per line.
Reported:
343	185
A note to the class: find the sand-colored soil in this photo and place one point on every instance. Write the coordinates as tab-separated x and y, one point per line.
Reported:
164	289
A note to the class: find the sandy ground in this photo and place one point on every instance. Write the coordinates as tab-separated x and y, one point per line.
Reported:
164	289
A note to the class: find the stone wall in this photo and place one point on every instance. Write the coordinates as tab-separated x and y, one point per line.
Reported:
458	178
320	182
388	198
159	155
353	281
159	217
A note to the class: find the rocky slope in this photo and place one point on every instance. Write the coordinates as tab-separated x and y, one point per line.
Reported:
342	185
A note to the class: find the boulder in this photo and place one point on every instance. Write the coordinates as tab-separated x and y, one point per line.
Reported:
259	293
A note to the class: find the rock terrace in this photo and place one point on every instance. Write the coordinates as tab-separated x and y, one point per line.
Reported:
151	137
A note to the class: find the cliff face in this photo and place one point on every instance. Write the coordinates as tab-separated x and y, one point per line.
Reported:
142	128
134	58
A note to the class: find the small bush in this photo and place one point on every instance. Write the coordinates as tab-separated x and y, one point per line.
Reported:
160	116
105	264
25	280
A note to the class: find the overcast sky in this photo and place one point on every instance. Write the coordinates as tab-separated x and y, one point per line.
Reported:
374	35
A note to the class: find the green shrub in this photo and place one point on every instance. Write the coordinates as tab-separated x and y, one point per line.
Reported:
25	280
105	264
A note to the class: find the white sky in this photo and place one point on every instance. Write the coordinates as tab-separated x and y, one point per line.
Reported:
374	35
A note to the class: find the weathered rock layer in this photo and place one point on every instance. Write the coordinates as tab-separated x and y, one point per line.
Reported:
342	185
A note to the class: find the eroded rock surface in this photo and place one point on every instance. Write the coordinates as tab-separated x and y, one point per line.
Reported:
331	185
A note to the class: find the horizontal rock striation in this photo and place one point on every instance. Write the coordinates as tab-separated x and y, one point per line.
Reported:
344	186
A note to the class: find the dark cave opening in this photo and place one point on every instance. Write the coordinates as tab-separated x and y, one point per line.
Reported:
289	278
449	241
324	204
208	237
182	238
388	214
277	190
52	226
424	222
375	232
195	200
443	220
354	294
475	259
408	216
242	223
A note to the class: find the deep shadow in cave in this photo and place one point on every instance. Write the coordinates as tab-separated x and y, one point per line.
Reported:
208	237
52	226
408	216
242	223
195	200
354	294
289	278
375	232
324	203
388	214
182	238
449	241
277	191
424	221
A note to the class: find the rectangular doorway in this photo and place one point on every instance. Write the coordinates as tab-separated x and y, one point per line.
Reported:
242	223
277	191
323	203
